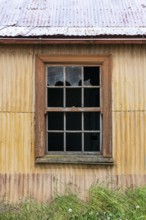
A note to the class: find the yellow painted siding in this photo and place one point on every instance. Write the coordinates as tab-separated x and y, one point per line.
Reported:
16	79
15	142
129	78
19	175
129	142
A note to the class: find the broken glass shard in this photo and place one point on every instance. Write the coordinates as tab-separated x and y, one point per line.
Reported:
91	76
55	76
73	75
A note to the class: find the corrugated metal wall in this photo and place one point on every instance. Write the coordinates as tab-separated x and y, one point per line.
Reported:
19	176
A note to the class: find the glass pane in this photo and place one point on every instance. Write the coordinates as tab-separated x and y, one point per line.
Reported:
73	76
92	120
92	97
73	121
55	141
55	76
92	141
73	97
55	120
91	76
55	97
73	142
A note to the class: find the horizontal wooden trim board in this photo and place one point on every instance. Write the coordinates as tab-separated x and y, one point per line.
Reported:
74	109
73	40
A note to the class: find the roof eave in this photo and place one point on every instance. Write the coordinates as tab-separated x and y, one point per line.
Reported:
65	40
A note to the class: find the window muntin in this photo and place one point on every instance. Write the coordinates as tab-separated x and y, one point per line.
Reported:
74	109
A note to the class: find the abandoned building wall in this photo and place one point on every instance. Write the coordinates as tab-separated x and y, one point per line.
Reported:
19	175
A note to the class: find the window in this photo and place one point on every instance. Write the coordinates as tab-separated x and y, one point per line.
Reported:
73	109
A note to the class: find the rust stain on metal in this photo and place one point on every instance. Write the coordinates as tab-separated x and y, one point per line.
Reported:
82	18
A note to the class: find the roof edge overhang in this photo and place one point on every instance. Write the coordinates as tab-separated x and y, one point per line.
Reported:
39	40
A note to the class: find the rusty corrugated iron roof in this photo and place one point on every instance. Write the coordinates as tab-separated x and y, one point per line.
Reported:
72	18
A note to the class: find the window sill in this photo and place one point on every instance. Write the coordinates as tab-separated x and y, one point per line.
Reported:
74	159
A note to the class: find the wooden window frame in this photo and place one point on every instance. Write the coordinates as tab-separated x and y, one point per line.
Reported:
40	109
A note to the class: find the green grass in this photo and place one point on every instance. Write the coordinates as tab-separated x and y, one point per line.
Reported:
103	204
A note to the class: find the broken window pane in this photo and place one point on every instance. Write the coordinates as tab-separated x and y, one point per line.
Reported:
55	142
92	121
73	141
55	76
55	120
92	141
73	76
73	121
91	76
92	97
55	97
73	97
